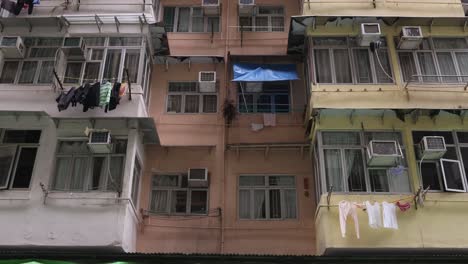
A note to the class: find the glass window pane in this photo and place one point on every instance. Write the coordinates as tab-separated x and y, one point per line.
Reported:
246	104
245	23
426	63
244	204
281	181
462	137
43	53
166	181
259	204
73	72
290	204
453	175
159	201
91	73
169	17
323	66
462	61
125	41
132	61
341	138
62	173
112	66
80	167
329	41
179	202
213	24
21	136
342	66
210	104
46	73
270	10
447	67
277	24
199	201
264	104
430	175
136	182
97	54
408	67
184	19
281	103
7	155
120	146
450	43
379	180
383	69
49	41
28	72
9	71
275	204
355	170
174	103
24	168
191	103
333	169
363	66
198	24
261	23
99	173
252	181
94	41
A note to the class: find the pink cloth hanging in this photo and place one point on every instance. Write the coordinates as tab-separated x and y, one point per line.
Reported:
269	119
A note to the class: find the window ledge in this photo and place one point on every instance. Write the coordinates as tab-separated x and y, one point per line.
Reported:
19	87
12	195
82	195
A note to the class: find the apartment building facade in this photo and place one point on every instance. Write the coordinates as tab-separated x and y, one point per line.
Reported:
62	186
394	94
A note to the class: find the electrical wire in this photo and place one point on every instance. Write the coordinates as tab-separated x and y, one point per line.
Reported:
381	66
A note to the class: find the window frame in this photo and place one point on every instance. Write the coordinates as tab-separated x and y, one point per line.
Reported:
206	28
185	94
253	20
352	62
15	162
171	189
434	51
362	146
266	188
88	181
256	95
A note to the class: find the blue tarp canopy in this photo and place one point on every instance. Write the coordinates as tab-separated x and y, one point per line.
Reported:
244	72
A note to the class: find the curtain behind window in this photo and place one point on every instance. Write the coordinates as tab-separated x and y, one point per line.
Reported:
362	65
184	19
447	67
408	67
159	201
259	204
290	203
323	66
426	63
462	59
169	17
342	66
111	70
333	169
244	204
9	71
28	72
355	170
62	172
132	59
46	73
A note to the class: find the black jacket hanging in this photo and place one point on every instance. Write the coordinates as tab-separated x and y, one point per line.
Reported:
114	99
20	5
65	99
92	97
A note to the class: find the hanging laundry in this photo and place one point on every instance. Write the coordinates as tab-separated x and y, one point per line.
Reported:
123	90
256	127
92	97
20	4
348	209
373	212
403	206
114	97
389	216
269	119
105	94
65	99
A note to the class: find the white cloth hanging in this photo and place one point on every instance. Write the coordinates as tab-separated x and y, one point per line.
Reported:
347	208
373	212
389	216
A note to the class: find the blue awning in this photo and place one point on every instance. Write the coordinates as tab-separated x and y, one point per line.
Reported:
244	72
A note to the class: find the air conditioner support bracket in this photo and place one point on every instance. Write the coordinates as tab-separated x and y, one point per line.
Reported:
351	117
117	24
382	117
465	25
431	25
462	116
99	22
29	24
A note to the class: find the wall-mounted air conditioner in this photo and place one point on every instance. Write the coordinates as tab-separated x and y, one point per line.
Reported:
207	81
410	37
369	32
100	142
432	147
12	47
198	177
74	48
211	7
246	7
383	153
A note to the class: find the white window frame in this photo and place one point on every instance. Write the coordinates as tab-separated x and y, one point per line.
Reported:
206	28
445	176
170	190
352	62
433	51
269	17
266	188
184	94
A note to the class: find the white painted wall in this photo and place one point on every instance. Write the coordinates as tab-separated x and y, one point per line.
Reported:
67	219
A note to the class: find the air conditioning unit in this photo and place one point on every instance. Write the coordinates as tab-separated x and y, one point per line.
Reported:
100	142
370	32
211	7
410	38
12	47
198	177
246	7
383	153
207	81
432	147
74	48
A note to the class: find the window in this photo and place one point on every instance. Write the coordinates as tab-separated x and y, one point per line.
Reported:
172	195
437	60
77	169
189	19
136	182
18	149
37	67
267	197
343	163
107	59
342	60
267	19
264	97
448	173
184	97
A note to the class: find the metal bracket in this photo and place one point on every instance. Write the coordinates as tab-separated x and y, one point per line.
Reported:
141	23
374	3
465	25
29	24
117	24
93	122
2	26
432	24
415	116
382	117
351	117
462	116
99	22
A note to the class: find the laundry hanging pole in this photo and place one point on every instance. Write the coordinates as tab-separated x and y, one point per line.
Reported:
129	84
58	80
